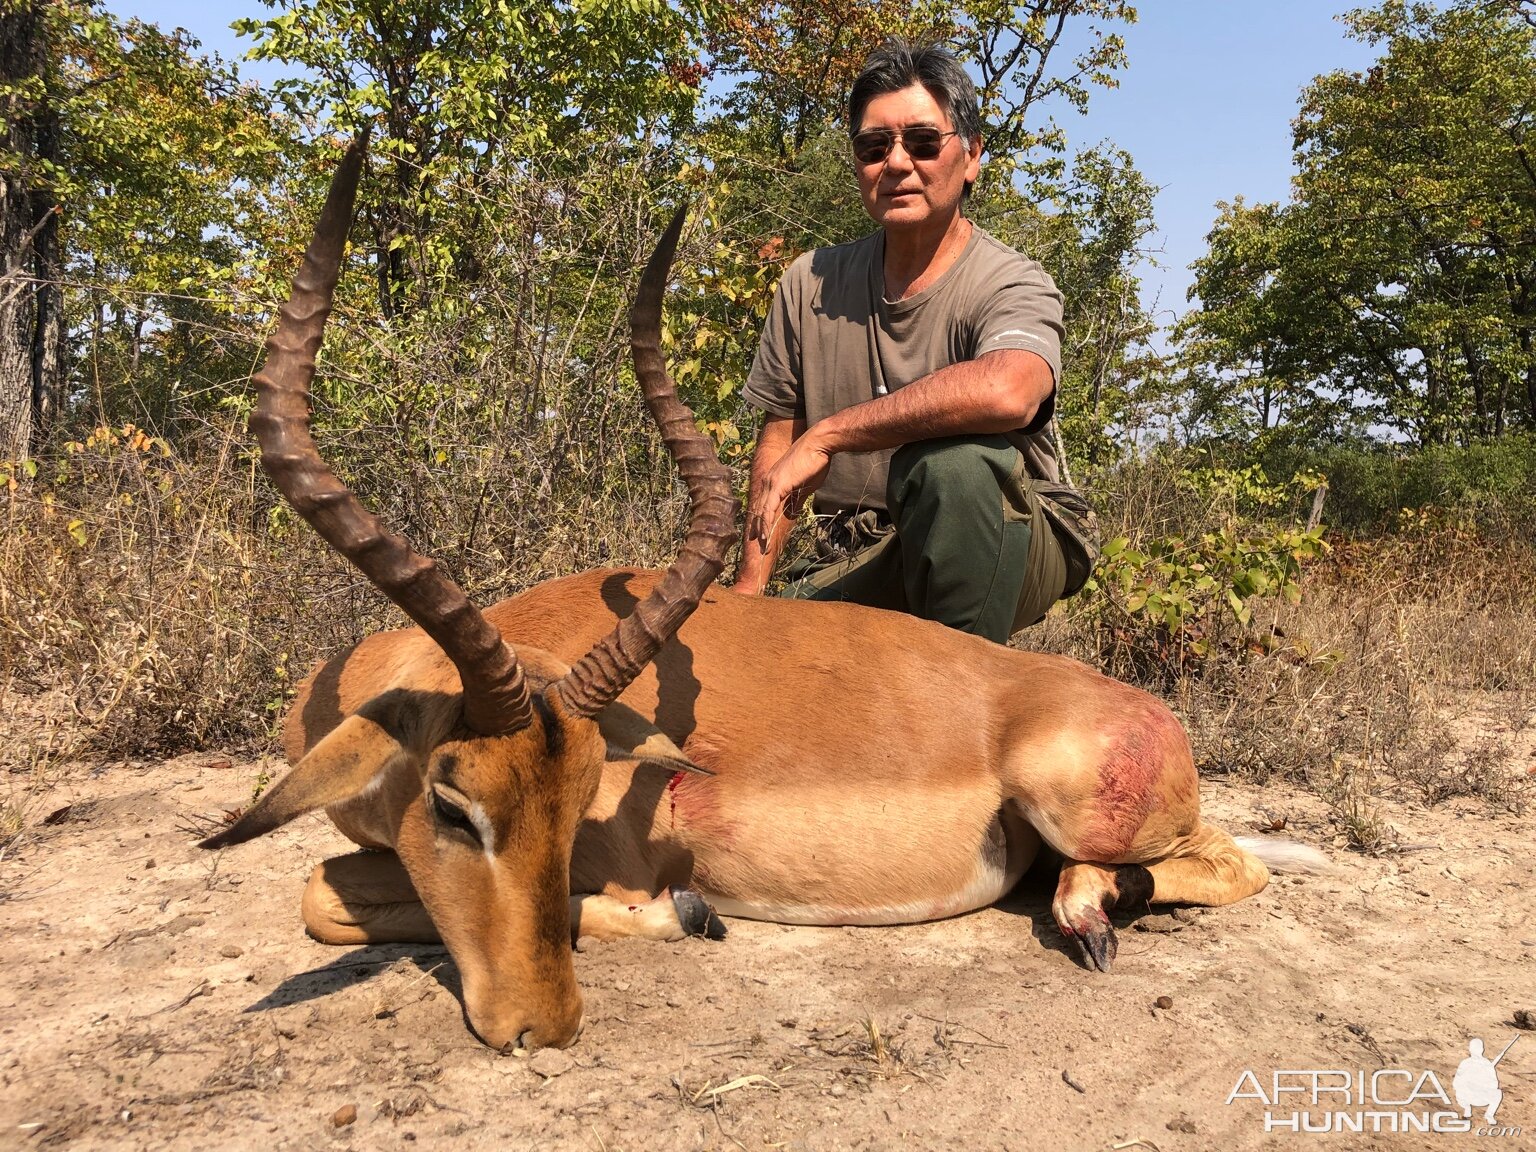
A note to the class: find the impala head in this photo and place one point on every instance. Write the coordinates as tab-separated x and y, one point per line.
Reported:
487	841
482	758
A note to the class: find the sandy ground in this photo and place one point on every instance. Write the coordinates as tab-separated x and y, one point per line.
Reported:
157	996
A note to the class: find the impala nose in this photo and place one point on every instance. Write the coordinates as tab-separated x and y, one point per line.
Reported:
524	1035
526	1040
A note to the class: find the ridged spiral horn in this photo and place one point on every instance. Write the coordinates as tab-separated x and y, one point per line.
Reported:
496	696
614	661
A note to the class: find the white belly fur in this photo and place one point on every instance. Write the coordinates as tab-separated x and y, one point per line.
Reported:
1003	859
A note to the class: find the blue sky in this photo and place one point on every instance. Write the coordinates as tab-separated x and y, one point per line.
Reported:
1205	105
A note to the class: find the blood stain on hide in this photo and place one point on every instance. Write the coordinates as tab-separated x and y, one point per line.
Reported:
696	801
677	778
1128	777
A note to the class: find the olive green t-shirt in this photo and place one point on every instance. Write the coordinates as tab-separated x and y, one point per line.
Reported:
832	340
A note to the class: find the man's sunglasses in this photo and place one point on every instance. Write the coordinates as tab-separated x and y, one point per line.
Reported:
874	145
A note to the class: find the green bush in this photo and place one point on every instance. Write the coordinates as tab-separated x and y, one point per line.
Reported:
1169	594
1489	484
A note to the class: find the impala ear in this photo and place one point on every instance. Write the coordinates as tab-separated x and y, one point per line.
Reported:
351	758
630	736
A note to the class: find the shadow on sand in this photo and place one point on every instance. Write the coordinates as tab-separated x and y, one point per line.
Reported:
359	966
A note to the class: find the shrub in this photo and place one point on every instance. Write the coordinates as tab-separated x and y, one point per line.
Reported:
1489	484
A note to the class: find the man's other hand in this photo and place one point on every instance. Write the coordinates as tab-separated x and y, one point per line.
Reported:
784	489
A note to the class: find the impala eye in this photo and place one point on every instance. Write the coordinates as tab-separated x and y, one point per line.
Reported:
449	812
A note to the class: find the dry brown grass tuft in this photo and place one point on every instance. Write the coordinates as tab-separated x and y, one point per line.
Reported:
12	822
151	598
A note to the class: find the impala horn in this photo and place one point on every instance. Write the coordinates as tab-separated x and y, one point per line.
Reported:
496	697
615	660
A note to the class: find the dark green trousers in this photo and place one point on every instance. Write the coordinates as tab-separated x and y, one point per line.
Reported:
966	542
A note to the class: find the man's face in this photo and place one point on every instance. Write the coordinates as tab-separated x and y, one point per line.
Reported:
906	195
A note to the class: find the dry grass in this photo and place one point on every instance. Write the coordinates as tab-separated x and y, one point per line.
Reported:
170	605
1407	670
135	590
13	819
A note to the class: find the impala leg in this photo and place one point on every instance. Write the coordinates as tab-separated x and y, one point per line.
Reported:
368	898
1206	867
676	913
365	898
1087	894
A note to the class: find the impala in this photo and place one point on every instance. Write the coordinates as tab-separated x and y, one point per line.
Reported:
614	752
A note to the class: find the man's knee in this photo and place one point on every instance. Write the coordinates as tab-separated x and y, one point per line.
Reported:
955	468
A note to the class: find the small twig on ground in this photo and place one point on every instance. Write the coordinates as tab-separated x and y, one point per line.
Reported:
213	872
1364	1036
385	1012
720	1124
740	1082
202	989
178	1098
967	1027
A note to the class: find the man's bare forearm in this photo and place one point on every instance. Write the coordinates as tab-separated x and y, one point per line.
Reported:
997	392
758	556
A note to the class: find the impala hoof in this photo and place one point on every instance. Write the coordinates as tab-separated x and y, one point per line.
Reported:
696	917
1096	941
1086	895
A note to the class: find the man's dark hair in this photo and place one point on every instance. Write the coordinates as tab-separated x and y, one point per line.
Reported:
898	64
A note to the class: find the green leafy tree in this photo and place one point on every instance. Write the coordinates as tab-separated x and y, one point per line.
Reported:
1401	280
791	64
138	167
1019	53
1092	238
1248	363
461	89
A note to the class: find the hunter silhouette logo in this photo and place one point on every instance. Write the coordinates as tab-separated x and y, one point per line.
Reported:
1382	1100
1477	1081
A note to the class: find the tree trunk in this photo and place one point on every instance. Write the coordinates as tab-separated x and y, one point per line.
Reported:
1487	419
48	341
31	300
1520	305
